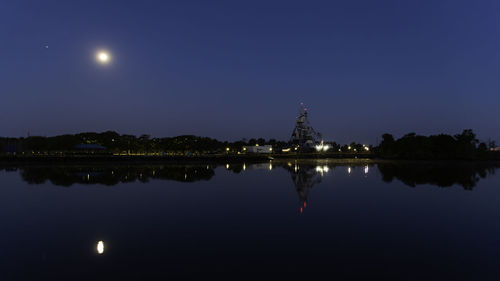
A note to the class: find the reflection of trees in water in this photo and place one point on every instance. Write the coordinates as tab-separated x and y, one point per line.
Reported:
68	175
441	174
304	174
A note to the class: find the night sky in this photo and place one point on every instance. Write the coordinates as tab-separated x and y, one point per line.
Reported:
239	69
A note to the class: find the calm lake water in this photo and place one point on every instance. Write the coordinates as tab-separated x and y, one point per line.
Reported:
275	220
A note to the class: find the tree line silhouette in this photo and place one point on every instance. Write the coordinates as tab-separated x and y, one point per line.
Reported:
111	142
435	147
410	146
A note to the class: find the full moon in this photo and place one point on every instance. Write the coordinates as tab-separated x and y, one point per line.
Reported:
103	57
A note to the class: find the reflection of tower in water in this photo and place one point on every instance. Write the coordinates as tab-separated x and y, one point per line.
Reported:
305	177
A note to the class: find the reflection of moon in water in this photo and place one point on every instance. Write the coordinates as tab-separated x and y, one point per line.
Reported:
100	247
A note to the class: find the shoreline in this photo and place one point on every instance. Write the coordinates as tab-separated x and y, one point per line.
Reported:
219	159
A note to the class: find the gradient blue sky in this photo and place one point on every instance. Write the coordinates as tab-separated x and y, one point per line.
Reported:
234	69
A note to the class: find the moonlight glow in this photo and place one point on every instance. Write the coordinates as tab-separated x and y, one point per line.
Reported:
103	57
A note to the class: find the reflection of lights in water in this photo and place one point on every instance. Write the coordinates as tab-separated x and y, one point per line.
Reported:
366	169
100	247
270	166
185	176
244	167
322	169
296	168
227	166
349	170
301	210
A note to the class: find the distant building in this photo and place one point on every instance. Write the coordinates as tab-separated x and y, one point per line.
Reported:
258	149
13	147
304	136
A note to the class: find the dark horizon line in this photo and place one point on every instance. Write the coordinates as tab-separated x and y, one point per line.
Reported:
245	139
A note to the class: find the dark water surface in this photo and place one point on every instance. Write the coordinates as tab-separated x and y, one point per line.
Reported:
318	220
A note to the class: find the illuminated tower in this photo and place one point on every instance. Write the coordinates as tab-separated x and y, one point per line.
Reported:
303	134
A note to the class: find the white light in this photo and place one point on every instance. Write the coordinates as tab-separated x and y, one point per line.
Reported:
349	170
103	57
322	147
366	169
322	169
100	247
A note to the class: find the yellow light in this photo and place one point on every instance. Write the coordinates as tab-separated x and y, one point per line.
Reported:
349	147
256	144
100	247
270	149
367	148
227	148
103	57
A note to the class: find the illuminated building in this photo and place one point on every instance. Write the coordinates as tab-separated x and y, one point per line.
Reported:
304	136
